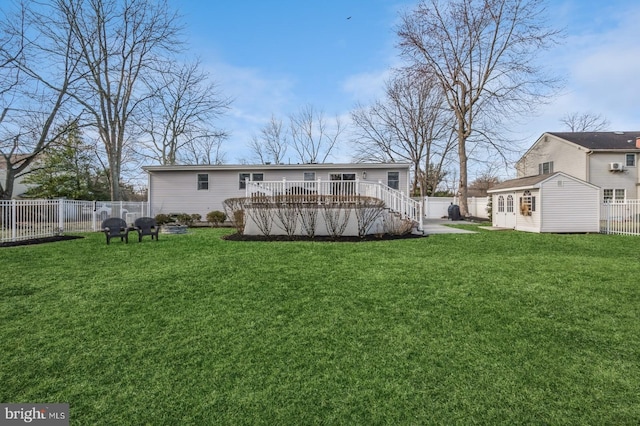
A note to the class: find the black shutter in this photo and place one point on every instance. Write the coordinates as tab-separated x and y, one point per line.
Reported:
533	204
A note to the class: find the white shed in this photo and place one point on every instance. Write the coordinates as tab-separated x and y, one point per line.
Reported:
546	203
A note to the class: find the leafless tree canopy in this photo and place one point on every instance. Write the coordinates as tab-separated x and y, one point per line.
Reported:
118	42
178	118
411	124
272	143
312	137
34	100
585	122
483	54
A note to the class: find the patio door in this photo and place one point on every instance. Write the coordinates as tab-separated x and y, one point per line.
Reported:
343	183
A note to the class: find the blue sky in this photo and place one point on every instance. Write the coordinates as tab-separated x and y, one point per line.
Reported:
273	57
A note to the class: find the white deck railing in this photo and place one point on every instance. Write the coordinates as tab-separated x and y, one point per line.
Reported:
348	191
620	217
29	219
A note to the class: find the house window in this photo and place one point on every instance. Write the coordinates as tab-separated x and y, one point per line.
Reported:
203	182
309	176
393	180
630	160
501	204
545	168
255	177
510	204
527	204
613	195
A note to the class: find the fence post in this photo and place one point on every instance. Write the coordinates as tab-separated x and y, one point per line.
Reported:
61	215
14	220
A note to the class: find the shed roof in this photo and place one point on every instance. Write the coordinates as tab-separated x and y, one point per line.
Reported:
531	182
601	140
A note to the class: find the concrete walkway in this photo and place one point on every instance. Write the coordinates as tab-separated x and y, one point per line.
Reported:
438	226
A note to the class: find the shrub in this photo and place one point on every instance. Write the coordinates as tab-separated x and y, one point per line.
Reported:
216	217
184	219
162	218
196	217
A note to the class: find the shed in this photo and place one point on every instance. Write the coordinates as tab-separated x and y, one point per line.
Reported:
554	202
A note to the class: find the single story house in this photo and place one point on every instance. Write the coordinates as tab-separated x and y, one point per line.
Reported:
556	202
608	160
203	188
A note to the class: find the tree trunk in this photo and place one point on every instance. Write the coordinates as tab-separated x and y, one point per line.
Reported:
462	184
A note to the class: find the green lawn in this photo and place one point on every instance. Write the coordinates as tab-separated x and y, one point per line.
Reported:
487	328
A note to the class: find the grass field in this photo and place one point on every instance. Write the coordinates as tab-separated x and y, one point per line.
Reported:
487	328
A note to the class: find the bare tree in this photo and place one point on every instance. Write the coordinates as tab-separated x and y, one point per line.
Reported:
119	43
272	143
482	52
585	122
409	125
183	106
204	150
312	138
34	100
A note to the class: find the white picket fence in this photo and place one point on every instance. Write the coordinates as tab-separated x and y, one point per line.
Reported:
30	219
621	217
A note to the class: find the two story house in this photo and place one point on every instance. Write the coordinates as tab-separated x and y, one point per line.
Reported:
608	160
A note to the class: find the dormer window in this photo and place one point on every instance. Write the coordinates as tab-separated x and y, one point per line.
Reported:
545	168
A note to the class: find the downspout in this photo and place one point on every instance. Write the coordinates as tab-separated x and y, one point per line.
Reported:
148	194
588	168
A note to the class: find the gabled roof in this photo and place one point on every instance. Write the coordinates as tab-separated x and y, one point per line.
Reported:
601	140
531	182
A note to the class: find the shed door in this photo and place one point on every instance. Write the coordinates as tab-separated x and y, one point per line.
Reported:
510	211
505	211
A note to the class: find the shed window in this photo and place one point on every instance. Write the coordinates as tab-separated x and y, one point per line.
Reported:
501	204
393	180
527	204
309	176
630	160
203	182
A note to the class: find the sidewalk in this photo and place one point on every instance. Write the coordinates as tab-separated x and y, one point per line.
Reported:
438	226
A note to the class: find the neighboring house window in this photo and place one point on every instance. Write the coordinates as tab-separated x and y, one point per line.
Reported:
613	195
393	180
255	177
545	168
309	176
630	160
510	204
203	182
501	204
527	204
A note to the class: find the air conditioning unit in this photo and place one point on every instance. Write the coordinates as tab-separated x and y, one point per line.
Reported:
616	167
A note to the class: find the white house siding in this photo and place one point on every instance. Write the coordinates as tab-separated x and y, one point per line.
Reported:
568	205
566	156
174	189
600	175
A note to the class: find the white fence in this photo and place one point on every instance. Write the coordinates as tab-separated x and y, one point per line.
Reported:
437	207
29	219
620	217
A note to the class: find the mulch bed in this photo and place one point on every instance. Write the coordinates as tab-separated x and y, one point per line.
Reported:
39	240
385	237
